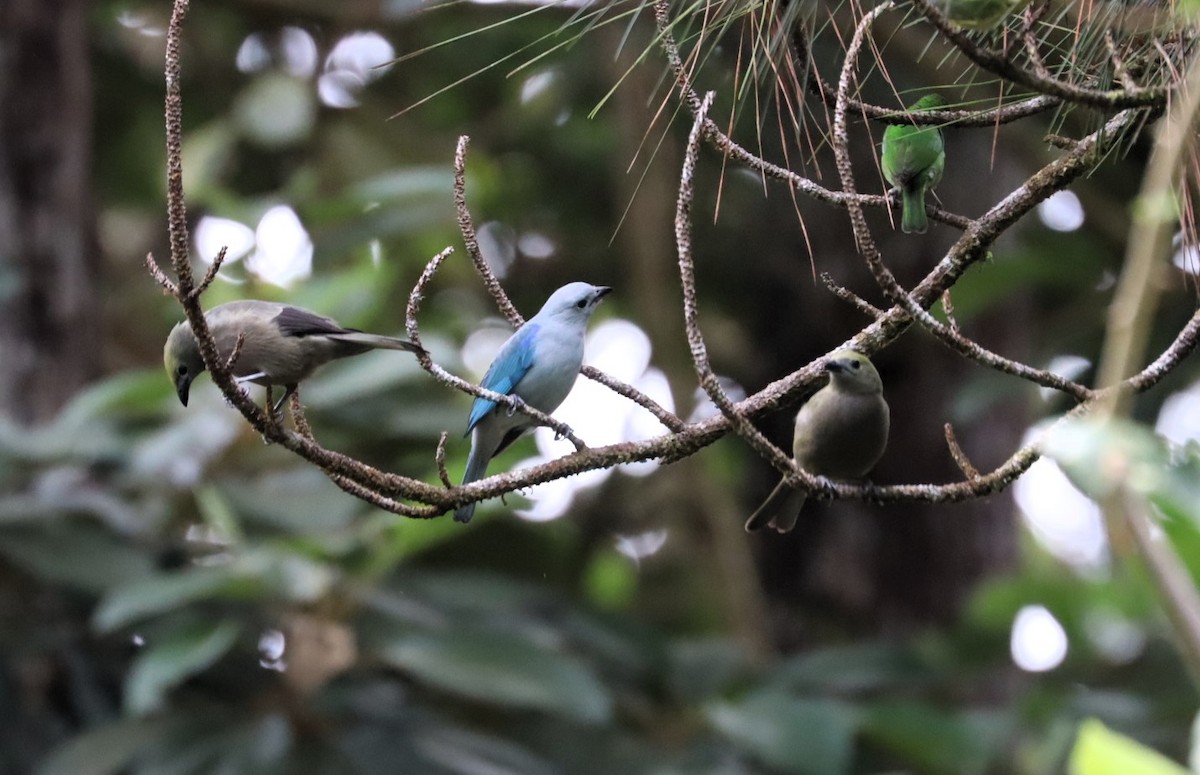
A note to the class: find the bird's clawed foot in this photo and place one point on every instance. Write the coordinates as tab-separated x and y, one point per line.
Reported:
279	404
517	404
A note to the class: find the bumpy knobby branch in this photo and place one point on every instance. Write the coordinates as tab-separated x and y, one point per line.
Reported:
1002	114
399	494
1000	64
887	281
414	498
972	247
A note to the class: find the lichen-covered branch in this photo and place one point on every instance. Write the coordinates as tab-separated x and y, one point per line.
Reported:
410	497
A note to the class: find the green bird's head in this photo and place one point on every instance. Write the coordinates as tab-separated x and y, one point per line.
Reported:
978	14
852	372
181	357
929	102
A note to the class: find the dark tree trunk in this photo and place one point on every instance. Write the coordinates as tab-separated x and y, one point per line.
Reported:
49	261
49	327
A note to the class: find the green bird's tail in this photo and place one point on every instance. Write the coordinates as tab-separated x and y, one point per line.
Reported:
912	220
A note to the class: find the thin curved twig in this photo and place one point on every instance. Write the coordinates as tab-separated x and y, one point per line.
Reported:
986	118
1003	66
733	150
699	350
467	228
509	310
956	451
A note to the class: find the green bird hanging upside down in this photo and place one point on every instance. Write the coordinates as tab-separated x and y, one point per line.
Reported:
978	14
840	433
912	161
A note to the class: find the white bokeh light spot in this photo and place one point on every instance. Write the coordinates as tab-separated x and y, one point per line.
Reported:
1066	366
498	246
1063	520
536	84
284	251
641	545
298	51
1061	212
640	424
533	244
1179	418
253	55
1187	258
1038	642
356	60
482	345
213	233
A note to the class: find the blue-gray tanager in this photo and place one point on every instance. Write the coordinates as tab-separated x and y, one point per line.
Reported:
538	364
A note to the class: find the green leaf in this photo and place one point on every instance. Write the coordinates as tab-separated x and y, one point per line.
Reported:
503	669
219	515
855	668
176	657
167	592
1100	751
297	499
705	668
127	394
104	749
934	741
74	553
806	736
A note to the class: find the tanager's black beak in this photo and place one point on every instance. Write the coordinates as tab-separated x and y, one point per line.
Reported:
183	384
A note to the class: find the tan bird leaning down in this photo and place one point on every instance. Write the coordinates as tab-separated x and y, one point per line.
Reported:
282	346
840	433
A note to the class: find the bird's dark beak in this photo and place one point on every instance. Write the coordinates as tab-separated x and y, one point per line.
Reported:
182	385
602	291
832	365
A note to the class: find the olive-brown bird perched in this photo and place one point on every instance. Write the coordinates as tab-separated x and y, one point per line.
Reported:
282	346
840	433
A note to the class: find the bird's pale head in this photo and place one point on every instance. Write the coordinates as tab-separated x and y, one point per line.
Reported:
575	301
852	372
181	357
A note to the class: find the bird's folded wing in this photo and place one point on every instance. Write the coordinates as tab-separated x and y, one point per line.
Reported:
510	366
293	321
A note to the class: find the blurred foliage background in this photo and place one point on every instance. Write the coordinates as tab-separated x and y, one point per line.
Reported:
176	597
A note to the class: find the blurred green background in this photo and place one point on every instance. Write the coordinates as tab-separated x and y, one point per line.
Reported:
176	597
